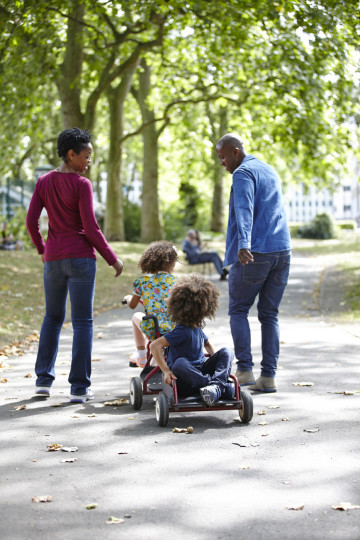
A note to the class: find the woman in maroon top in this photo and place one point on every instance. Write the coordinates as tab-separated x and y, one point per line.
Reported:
69	261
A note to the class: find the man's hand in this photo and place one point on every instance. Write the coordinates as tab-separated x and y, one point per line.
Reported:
118	267
245	256
168	376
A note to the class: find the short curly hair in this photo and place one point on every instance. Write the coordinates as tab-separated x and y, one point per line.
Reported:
159	256
72	139
192	300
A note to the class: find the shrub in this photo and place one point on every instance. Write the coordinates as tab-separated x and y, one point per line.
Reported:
321	226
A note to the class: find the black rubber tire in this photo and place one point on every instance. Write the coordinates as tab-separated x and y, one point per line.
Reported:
136	395
162	409
247	409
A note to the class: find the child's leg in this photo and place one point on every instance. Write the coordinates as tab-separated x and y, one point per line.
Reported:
218	367
138	335
139	358
190	378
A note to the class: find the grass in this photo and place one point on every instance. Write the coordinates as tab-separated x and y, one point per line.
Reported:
344	253
22	295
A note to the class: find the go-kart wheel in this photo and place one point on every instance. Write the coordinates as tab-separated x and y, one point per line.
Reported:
136	395
162	410
246	410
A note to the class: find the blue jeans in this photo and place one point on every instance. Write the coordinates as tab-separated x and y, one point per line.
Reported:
209	257
78	277
267	277
215	370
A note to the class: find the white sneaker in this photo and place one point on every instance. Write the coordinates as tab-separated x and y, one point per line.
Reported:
42	391
83	398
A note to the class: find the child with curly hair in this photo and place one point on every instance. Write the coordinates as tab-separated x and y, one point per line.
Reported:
192	300
152	288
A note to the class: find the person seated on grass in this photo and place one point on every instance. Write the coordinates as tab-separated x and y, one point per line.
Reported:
191	246
192	300
152	288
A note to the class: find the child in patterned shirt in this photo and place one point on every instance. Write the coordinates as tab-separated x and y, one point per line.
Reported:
151	289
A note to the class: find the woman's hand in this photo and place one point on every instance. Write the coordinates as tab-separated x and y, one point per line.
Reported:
118	267
128	298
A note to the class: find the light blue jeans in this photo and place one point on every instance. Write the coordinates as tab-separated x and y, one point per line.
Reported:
267	277
76	276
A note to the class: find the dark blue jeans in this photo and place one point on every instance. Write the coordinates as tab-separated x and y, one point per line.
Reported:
215	370
209	257
267	277
76	276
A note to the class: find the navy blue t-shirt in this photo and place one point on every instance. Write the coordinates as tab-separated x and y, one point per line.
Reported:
186	342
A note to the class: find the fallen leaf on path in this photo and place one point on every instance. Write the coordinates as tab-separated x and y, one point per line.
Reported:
2	380
301	507
286	483
42	498
113	519
345	506
263	423
91	506
122	453
99	335
189	429
273	406
28	376
311	430
69	449
75	416
56	405
117	402
261	413
303	383
285	419
54	447
265	434
20	408
68	460
92	415
96	359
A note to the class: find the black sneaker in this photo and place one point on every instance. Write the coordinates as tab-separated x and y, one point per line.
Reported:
210	394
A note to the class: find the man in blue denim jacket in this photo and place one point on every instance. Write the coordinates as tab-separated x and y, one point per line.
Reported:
258	250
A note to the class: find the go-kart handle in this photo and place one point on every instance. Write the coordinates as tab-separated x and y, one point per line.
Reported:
156	322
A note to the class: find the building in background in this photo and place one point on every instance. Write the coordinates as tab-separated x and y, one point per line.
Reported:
341	204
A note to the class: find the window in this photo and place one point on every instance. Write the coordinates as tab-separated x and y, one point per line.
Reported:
346	188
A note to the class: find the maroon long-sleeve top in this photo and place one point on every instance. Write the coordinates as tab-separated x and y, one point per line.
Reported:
73	229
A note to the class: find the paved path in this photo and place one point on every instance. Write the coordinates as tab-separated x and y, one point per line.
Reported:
226	480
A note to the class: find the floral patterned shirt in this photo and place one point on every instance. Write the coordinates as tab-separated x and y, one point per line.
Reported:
153	289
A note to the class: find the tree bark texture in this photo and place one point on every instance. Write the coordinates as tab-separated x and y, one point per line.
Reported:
69	81
114	217
151	228
217	209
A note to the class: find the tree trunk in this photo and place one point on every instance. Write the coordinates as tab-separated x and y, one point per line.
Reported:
151	228
69	81
217	210
114	217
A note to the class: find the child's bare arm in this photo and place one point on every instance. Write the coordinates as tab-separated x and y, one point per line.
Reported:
132	301
156	348
209	348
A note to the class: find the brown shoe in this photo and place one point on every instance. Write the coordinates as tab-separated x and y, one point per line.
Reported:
265	384
245	378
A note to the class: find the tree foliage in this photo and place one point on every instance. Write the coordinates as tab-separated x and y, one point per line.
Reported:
284	74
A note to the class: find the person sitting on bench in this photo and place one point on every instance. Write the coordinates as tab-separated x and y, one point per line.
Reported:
195	255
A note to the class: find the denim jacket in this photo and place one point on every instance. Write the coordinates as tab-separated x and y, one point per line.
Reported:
257	219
